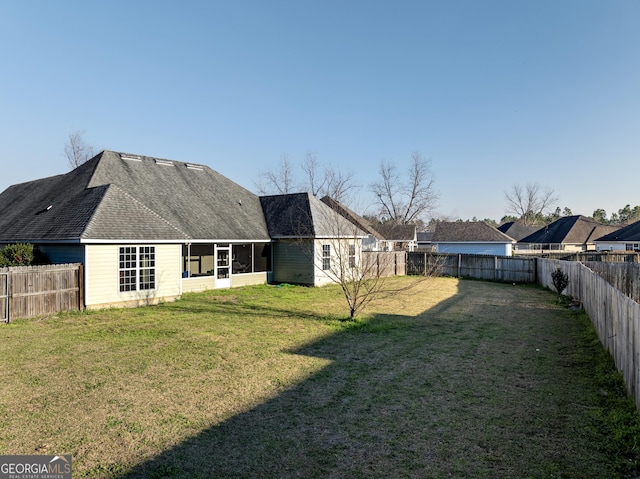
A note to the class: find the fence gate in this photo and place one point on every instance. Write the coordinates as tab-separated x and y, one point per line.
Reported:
4	297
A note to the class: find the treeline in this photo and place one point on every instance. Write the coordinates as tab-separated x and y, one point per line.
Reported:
623	216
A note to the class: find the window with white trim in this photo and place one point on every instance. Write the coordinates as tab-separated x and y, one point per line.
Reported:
352	256
137	268
326	257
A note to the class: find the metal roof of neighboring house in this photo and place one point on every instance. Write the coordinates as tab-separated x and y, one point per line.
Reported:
469	231
576	229
627	233
117	196
302	215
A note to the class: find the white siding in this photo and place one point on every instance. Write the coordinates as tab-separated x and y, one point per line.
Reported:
102	277
195	284
600	246
323	278
246	279
493	249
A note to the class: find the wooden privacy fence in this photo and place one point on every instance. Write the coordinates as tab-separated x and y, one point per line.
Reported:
622	276
29	291
491	268
615	316
385	263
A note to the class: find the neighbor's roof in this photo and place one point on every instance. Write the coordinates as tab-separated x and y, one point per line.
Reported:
517	230
116	196
576	229
395	232
352	216
627	233
302	215
469	232
425	236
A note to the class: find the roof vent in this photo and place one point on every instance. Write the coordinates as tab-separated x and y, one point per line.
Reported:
164	162
125	156
44	210
191	166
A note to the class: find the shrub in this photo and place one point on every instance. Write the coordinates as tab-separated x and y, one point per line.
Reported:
560	280
19	254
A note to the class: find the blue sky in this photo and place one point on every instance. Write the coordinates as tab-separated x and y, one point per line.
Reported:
495	93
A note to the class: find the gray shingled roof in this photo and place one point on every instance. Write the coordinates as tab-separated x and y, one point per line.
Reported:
352	216
576	229
112	198
517	230
469	231
302	215
627	233
393	232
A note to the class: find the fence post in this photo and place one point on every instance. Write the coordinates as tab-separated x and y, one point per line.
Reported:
81	287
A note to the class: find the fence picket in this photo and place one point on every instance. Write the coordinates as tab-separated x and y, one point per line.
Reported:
29	291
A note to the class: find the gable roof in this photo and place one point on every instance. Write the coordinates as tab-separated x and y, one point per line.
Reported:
352	216
469	232
425	236
116	196
576	229
302	215
627	233
517	230
394	232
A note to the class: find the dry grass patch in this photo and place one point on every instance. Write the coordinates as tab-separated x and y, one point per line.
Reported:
450	379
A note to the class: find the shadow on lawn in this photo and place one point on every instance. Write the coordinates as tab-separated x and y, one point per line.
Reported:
384	407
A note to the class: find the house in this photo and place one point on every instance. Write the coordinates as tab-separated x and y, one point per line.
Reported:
373	241
312	243
145	229
626	238
517	230
568	234
471	237
425	240
398	237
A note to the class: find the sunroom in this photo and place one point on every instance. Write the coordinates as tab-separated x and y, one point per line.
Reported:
224	265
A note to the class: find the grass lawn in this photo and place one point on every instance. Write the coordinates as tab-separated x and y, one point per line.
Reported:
462	379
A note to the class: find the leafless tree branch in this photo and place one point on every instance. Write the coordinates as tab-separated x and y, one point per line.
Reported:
76	150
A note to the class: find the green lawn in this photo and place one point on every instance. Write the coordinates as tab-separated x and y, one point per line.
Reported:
449	379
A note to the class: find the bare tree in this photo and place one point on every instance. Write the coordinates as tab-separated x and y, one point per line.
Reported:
76	150
279	181
362	276
318	179
529	203
406	201
310	167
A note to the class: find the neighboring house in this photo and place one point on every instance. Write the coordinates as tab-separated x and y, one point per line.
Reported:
312	242
471	237
398	237
425	240
146	229
517	230
373	241
626	238
568	234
